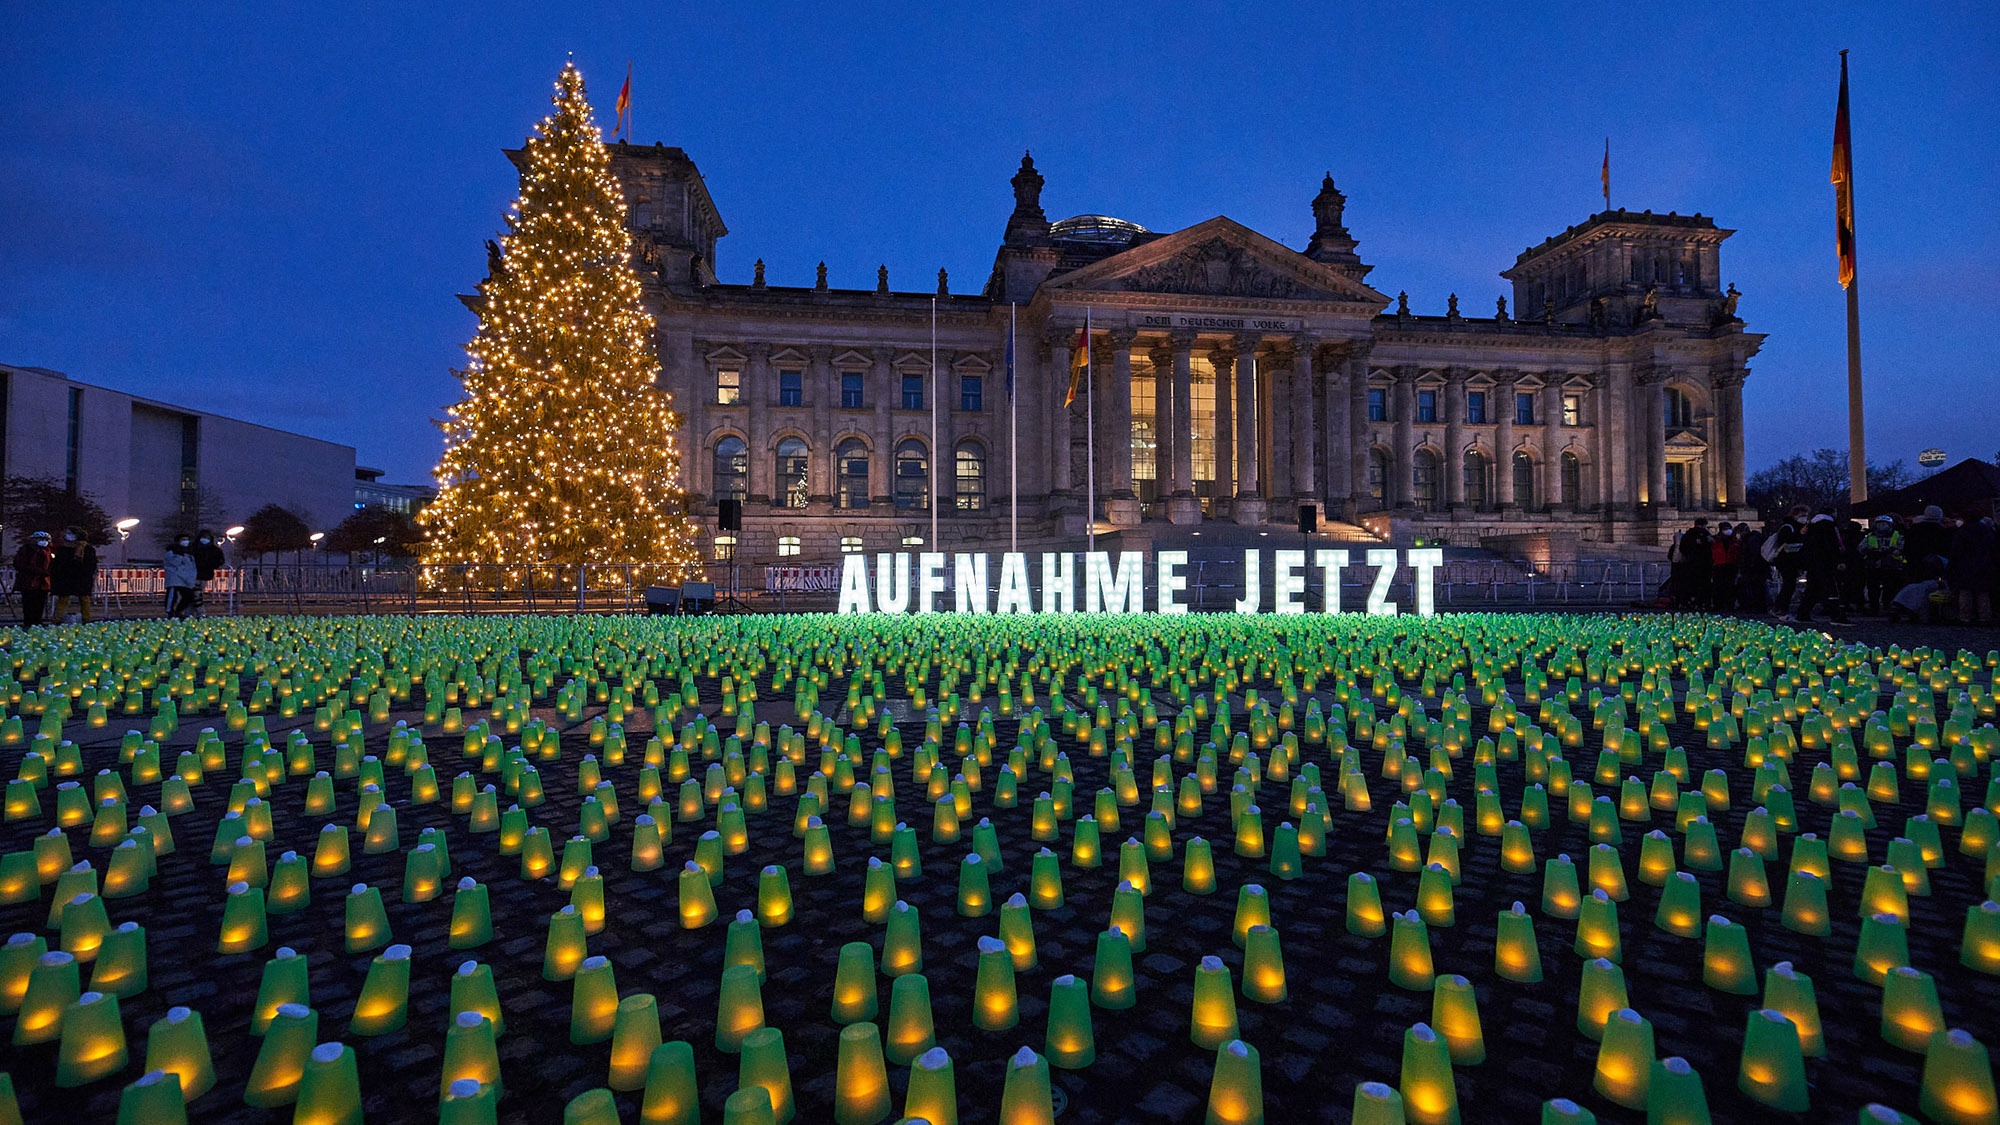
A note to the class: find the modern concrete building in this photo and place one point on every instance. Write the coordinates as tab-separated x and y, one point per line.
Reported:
1234	378
149	460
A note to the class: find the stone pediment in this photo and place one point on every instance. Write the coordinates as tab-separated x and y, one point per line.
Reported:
1686	441
1218	258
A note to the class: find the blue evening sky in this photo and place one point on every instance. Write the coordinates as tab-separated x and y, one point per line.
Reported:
265	210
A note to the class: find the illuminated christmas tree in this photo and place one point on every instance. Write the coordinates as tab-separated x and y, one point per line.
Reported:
562	450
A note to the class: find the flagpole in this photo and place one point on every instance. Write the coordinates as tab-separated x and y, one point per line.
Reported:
1607	173
1857	453
1089	434
934	428
1013	441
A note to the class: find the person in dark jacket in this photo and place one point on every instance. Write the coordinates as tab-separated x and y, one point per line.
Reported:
31	577
1970	571
1929	539
73	574
1825	565
1691	563
1789	557
208	559
1753	581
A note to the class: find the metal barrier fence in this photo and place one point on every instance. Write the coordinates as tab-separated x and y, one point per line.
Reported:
1213	585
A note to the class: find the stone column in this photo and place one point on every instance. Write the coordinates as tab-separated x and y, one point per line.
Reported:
1335	362
1162	357
880	390
1550	477
1056	345
1730	392
1650	393
1121	504
1304	480
1182	507
1614	428
759	397
1503	439
822	385
1405	491
1222	357
1248	507
1358	433
1454	438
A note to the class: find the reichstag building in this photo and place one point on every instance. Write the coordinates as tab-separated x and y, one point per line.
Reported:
1235	379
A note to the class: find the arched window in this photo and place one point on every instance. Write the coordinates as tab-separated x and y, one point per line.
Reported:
1572	480
1475	479
913	476
1424	480
792	456
1679	411
732	468
850	463
1378	477
969	476
1524	480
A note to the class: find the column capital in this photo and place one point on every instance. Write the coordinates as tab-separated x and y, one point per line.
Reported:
1160	352
758	349
821	354
1456	375
883	355
1730	377
1058	336
1652	376
1182	339
1406	374
1122	337
1246	342
1283	351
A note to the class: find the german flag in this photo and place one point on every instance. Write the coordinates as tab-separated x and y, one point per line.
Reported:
1843	183
624	122
1079	359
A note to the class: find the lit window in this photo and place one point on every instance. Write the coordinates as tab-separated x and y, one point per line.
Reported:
791	388
913	540
1427	406
969	477
913	476
851	474
788	545
850	544
913	391
971	392
1378	404
850	390
792	456
1572	410
1475	407
728	386
1524	410
725	548
732	468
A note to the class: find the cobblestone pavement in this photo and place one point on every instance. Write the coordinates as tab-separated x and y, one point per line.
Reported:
1343	1022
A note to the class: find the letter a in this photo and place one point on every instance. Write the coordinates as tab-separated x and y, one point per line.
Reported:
854	583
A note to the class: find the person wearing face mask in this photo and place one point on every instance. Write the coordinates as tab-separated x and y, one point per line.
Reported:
207	560
73	574
181	577
31	577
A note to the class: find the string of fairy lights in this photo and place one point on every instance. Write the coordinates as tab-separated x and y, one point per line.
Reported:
562	450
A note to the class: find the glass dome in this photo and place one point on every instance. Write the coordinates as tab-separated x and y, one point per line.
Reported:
1095	228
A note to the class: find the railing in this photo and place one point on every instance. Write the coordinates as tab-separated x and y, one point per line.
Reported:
1213	586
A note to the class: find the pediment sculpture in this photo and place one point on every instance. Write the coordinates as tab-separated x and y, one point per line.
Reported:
1217	268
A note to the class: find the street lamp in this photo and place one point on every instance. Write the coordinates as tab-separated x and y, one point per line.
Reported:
125	527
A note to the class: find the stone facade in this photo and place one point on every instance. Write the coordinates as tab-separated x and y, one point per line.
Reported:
1233	378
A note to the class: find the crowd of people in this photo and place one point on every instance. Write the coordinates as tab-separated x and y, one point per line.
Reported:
1930	569
66	572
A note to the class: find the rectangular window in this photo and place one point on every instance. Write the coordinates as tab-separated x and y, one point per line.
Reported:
913	392
1201	418
791	388
73	457
728	386
788	545
1427	406
1475	407
1524	410
1572	410
971	392
1378	404
850	390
